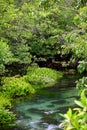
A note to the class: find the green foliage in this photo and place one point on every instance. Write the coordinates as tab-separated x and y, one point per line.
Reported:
71	122
76	42
76	119
81	84
79	48
31	24
37	28
79	3
6	118
82	66
48	30
4	101
32	68
83	102
5	55
21	53
13	87
16	87
81	19
34	28
42	77
15	29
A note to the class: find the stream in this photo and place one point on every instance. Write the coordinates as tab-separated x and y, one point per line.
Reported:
42	111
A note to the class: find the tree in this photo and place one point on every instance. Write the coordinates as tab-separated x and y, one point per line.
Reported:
5	56
15	29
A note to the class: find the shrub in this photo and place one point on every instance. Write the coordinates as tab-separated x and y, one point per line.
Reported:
76	119
11	87
16	87
4	101
81	84
82	66
6	56
42	77
6	118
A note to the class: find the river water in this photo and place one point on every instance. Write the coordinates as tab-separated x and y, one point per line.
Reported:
42	111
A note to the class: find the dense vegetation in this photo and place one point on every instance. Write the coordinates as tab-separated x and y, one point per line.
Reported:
14	87
42	33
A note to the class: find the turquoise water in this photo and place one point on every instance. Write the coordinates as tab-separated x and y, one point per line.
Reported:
41	111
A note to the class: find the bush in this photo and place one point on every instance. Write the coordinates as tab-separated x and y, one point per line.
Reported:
82	66
81	84
6	56
4	101
6	118
76	119
16	87
11	87
42	77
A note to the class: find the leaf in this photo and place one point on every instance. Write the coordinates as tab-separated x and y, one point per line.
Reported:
69	113
79	103
83	98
